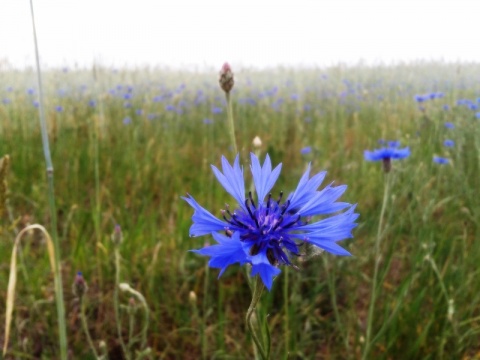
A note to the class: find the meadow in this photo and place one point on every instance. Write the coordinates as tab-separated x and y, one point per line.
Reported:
128	143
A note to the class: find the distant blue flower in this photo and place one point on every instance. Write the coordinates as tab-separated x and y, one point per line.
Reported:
170	108
36	104
10	89
449	125
294	97
266	233
127	120
92	103
6	101
306	150
127	105
449	143
387	153
59	108
440	160
151	116
127	96
446	107
473	107
207	121
30	91
139	112
477	115
420	98
216	110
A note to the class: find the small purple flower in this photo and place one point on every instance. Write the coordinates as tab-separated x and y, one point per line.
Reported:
419	98
127	120
449	125
477	115
36	104
6	101
446	107
30	91
92	103
217	110
266	232
170	107
440	160
449	143
59	108
207	121
127	105
387	153
306	150
139	112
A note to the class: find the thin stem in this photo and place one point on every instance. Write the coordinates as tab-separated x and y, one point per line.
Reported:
85	327
257	293
115	301
231	123
62	329
286	325
373	297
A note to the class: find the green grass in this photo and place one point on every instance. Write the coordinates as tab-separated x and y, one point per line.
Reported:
428	303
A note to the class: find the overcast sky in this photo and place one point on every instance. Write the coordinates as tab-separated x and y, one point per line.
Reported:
256	33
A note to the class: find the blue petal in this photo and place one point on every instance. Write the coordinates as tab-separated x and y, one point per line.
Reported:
232	179
329	230
263	177
203	221
332	248
228	251
262	267
306	188
323	202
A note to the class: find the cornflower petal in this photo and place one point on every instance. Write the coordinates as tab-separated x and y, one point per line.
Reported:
203	221
324	201
227	252
263	176
232	179
306	188
262	267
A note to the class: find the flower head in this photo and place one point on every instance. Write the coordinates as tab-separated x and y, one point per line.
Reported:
392	151
226	78
265	232
449	143
440	160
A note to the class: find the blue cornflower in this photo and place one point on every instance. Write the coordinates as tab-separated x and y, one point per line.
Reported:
477	115
266	233
449	125
449	143
59	108
306	150
387	153
440	160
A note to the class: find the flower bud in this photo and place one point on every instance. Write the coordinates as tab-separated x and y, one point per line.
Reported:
117	236
257	142
79	287
192	298
226	78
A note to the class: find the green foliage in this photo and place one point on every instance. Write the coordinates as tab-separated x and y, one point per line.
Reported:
428	301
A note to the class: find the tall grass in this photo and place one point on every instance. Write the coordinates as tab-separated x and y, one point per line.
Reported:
132	168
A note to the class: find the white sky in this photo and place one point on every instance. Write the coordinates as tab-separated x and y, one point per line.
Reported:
258	33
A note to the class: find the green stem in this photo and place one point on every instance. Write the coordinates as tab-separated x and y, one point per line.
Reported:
62	329
115	301
257	293
373	297
85	327
231	123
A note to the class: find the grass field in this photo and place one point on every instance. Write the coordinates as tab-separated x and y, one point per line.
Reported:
127	144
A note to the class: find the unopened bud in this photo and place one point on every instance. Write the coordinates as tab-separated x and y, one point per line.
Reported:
117	236
124	286
257	142
226	78
79	287
192	298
